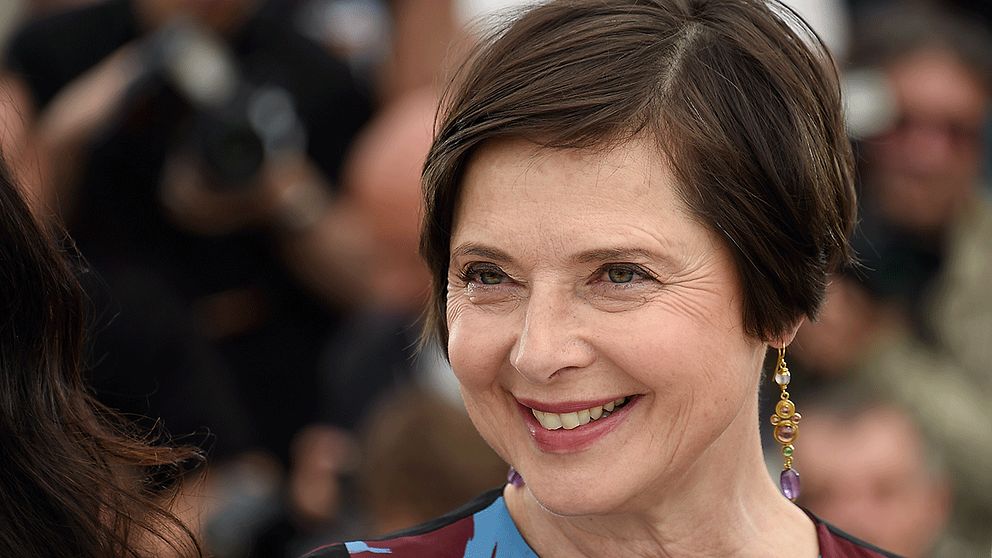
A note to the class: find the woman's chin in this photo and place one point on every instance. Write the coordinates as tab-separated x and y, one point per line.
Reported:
573	499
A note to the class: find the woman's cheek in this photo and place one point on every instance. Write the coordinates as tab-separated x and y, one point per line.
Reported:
476	364
471	354
479	342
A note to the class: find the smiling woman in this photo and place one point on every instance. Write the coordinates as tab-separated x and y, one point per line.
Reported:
610	298
628	204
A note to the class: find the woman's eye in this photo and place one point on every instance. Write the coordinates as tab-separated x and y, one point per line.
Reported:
490	277
484	275
620	275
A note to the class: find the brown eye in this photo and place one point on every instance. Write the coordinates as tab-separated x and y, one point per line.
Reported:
620	275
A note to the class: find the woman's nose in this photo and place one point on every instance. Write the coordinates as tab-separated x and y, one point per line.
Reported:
551	338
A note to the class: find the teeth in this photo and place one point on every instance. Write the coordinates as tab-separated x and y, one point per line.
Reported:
569	421
550	421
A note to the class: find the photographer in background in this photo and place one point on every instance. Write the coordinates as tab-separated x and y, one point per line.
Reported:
198	182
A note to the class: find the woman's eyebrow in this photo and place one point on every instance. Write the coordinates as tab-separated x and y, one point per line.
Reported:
615	254
589	256
481	251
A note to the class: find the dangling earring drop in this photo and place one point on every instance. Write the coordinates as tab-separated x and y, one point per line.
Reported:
514	478
785	420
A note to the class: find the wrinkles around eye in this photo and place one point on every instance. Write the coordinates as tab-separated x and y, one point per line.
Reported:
485	282
623	275
620	283
608	295
486	274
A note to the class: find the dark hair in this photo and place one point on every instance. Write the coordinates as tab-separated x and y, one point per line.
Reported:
745	111
73	481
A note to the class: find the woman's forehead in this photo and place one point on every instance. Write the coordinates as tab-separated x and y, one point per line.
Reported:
524	198
516	171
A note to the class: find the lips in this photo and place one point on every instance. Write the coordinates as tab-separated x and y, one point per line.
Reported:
575	419
570	427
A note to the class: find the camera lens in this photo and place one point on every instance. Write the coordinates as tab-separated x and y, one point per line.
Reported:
231	152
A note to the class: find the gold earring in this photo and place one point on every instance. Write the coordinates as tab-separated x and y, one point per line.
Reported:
786	423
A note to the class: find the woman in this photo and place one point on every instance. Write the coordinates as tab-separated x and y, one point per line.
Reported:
73	483
628	204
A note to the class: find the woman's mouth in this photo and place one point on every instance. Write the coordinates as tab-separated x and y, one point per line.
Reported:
569	421
572	427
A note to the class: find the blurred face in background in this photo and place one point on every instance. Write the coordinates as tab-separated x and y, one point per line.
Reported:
842	333
868	474
925	169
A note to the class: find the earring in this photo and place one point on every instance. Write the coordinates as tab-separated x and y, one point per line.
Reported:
514	478
786	423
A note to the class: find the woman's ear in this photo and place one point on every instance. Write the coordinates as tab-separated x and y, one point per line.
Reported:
785	339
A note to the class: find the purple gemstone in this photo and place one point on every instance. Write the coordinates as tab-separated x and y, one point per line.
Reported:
514	478
790	484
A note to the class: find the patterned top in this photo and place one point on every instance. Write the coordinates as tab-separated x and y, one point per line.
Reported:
483	528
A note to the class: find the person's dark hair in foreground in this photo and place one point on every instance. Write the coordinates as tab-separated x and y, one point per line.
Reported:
628	204
74	482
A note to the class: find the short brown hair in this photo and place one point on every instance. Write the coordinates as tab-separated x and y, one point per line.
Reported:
746	110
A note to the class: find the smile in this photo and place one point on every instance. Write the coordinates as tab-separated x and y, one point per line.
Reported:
569	421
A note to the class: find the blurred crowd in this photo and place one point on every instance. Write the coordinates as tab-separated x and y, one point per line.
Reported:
241	178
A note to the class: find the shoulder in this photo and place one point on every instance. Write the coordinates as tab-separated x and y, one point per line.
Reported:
835	543
444	537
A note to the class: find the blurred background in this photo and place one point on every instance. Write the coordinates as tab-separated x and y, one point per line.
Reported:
241	178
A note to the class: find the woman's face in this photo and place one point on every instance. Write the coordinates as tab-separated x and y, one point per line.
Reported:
579	278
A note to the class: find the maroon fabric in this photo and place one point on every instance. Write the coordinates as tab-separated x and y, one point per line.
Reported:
835	543
447	542
444	537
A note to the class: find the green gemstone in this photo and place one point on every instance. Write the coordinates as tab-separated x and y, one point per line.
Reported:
787	451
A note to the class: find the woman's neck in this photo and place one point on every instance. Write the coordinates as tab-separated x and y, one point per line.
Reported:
724	505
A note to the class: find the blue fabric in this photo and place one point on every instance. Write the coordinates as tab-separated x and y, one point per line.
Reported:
496	536
359	546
